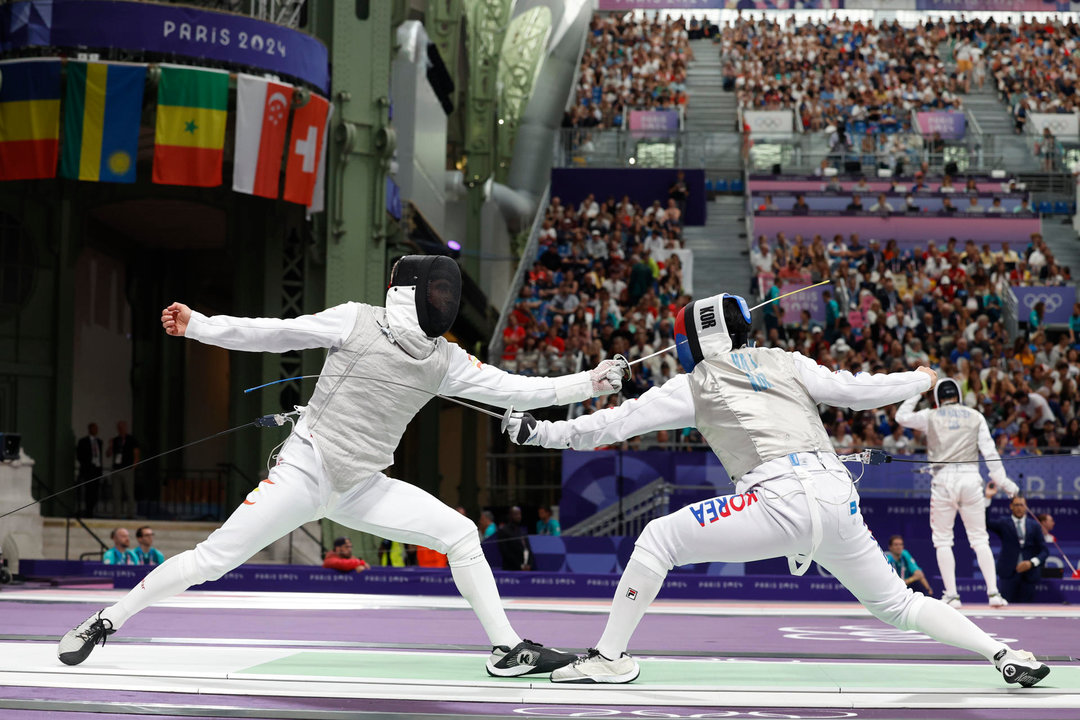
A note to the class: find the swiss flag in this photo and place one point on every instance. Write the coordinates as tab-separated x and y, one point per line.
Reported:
262	114
305	147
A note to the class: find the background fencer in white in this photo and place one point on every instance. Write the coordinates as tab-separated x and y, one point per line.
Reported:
957	433
382	367
797	501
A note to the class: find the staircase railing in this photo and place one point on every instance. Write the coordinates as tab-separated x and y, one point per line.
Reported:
630	514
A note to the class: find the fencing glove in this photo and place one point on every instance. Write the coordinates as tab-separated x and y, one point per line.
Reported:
522	428
607	377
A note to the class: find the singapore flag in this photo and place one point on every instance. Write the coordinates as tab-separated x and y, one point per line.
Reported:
262	115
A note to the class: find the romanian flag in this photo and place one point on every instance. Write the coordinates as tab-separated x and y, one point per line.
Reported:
102	110
29	118
189	141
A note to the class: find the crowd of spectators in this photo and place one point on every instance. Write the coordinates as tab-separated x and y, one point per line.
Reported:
840	72
890	309
1034	64
607	279
630	63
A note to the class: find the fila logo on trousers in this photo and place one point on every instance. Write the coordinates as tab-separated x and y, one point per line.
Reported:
722	507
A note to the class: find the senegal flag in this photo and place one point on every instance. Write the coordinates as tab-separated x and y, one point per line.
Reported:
102	110
189	141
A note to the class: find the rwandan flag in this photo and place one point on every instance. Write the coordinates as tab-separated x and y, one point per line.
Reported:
102	110
29	118
189	141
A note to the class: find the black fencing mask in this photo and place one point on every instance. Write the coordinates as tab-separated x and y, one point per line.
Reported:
437	280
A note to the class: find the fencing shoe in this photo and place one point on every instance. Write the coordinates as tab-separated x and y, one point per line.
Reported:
952	601
996	600
1020	666
526	658
595	668
77	644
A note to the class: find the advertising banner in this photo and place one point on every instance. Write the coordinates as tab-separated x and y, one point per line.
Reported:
951	125
1058	302
812	301
1061	124
616	5
654	121
995	5
169	29
766	122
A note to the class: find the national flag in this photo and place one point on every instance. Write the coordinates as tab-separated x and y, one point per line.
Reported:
29	118
318	197
189	140
102	113
262	116
305	147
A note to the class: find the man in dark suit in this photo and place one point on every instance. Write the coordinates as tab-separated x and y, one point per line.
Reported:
89	452
1023	550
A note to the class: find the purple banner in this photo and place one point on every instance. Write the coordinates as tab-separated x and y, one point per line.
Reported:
811	300
1058	301
168	29
643	185
997	5
654	121
908	231
951	125
617	5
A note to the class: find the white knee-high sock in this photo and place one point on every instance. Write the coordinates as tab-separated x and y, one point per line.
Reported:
476	584
637	589
985	559
947	625
164	581
946	563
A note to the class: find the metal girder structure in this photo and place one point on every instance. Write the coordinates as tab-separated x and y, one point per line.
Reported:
293	284
443	24
520	62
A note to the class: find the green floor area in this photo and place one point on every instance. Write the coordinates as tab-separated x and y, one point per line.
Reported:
690	674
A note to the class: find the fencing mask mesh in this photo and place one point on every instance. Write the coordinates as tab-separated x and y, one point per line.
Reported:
437	280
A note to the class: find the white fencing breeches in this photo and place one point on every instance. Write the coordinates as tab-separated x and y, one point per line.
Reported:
296	492
959	489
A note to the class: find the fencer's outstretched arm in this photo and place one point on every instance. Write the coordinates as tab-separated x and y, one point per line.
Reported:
907	416
466	377
859	392
993	461
668	407
327	329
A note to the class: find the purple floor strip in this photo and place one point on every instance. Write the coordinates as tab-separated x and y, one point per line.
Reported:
657	633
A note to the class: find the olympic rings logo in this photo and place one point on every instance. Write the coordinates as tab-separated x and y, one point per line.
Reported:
1053	302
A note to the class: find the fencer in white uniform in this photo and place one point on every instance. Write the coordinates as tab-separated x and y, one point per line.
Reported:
383	365
956	433
757	409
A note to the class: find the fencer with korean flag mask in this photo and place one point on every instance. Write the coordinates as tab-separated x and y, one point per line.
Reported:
956	433
382	366
757	408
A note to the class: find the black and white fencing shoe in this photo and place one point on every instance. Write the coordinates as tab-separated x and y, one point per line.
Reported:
78	643
1020	666
595	668
526	658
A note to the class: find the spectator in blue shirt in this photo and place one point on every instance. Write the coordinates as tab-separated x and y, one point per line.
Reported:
145	553
547	525
120	554
486	526
904	564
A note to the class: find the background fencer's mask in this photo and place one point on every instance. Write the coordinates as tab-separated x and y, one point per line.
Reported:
711	327
436	284
946	390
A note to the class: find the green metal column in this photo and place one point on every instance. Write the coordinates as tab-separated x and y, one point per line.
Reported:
355	229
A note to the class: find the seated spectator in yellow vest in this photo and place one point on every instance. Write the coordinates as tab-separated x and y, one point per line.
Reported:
395	554
145	553
547	524
120	554
904	564
341	557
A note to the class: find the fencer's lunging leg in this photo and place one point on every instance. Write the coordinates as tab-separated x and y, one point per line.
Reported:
476	583
638	586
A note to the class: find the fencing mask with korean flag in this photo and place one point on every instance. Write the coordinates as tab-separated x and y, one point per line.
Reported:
711	327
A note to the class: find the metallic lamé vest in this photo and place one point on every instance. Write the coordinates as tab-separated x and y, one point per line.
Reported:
357	421
751	407
952	434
